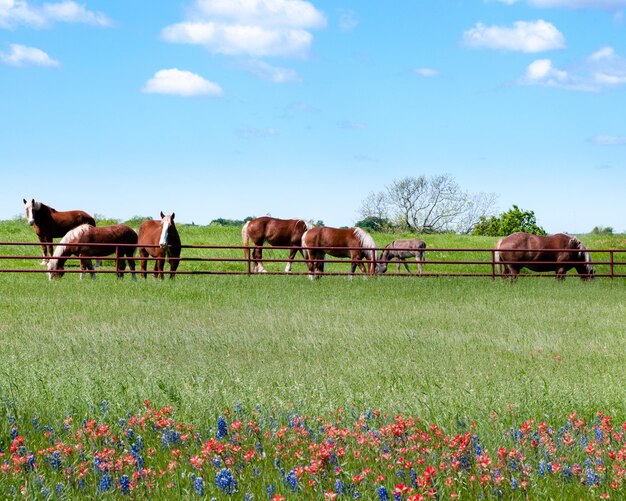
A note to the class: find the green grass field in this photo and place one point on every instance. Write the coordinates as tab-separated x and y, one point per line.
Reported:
444	349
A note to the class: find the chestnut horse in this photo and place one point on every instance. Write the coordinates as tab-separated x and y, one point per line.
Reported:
322	240
164	234
559	253
50	223
281	232
121	238
401	249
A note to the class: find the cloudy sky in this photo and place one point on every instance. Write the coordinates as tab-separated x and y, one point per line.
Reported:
294	108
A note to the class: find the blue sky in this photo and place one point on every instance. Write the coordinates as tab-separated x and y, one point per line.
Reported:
232	108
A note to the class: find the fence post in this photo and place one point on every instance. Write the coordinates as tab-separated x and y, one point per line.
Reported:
493	265
117	261
612	263
248	262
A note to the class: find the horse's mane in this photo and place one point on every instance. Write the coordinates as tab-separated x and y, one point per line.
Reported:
365	240
69	237
307	224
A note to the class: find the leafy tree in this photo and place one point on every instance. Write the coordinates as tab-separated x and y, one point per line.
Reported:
602	230
511	221
373	223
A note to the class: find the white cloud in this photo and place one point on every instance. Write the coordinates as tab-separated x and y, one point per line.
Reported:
14	13
182	83
427	72
574	4
238	39
601	70
271	73
530	37
609	140
249	27
20	55
350	125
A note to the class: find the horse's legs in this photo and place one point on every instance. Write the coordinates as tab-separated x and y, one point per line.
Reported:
121	266
174	262
159	266
44	249
131	264
406	265
292	255
257	255
85	264
143	263
419	257
560	274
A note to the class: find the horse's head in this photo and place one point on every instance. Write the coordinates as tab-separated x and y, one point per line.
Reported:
382	267
167	222
585	269
55	269
31	206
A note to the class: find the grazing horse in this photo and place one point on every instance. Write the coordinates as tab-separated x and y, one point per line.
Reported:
164	234
401	249
49	223
322	240
281	232
559	253
122	240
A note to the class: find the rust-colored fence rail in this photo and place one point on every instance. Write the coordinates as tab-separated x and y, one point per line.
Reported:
230	260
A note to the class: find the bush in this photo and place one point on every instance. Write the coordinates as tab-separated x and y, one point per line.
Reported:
602	230
512	221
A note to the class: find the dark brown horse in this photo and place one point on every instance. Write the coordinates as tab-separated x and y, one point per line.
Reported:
281	232
401	249
122	240
354	243
559	253
164	234
50	223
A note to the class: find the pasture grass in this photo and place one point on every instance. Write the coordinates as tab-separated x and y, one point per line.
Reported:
444	349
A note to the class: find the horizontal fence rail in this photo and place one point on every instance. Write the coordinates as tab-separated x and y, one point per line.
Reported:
21	257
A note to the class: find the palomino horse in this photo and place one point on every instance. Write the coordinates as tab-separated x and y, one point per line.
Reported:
122	240
281	232
354	243
50	223
164	234
401	249
559	253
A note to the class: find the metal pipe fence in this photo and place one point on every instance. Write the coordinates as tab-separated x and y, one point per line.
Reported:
231	260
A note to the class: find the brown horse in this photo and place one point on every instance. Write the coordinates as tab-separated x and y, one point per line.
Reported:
164	234
122	240
50	223
401	249
281	232
354	243
559	253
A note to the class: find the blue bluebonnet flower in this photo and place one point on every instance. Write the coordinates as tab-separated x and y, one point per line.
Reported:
292	480
104	406
592	477
55	460
514	483
198	486
413	477
36	424
382	493
599	434
59	490
225	481
222	428
248	497
105	483
583	441
339	487
270	489
14	433
125	484
542	468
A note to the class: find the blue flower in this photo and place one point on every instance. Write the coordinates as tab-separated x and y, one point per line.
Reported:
55	460
339	487
105	483
14	433
592	477
270	489
125	484
59	490
222	428
292	480
514	483
542	468
599	435
382	493
198	485
104	407
225	481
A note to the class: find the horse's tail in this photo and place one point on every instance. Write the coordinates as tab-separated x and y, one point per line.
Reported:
305	251
497	257
367	242
584	253
245	238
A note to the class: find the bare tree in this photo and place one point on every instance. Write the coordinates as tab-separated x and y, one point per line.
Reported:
428	205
